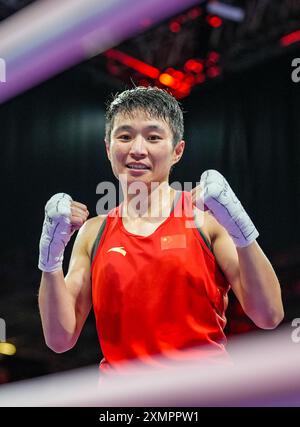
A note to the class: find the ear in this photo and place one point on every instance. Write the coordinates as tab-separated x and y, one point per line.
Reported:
107	146
178	151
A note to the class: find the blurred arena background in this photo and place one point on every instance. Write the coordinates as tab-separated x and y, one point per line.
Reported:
228	62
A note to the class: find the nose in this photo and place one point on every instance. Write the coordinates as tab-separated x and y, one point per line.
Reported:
138	147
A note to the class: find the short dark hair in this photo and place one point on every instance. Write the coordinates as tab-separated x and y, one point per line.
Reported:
153	101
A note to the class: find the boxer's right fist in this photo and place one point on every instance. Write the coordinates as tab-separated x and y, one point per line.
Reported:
62	217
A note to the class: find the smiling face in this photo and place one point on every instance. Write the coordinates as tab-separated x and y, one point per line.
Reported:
141	148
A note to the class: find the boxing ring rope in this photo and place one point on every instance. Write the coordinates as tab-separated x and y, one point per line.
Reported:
265	372
50	36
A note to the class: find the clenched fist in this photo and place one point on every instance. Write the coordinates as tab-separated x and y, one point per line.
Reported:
63	217
215	193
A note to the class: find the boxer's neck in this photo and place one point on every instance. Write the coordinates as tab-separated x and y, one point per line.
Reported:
154	204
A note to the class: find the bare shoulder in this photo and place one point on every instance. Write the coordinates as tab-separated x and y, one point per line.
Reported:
209	225
92	224
223	248
88	232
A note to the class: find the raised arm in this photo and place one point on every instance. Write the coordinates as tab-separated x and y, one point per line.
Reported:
233	237
65	302
251	277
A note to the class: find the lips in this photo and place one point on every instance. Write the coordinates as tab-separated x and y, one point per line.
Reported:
137	166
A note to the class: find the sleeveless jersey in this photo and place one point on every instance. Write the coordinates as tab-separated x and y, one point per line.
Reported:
163	294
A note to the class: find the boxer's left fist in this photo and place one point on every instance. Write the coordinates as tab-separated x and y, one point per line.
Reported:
215	193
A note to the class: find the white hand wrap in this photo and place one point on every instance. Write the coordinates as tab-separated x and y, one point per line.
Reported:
218	196
56	233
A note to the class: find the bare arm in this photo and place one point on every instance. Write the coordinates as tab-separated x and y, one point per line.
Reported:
66	302
251	277
233	236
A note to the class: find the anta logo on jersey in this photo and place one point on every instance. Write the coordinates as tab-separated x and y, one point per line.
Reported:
119	249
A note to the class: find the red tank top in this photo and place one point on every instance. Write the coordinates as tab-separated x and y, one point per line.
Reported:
163	294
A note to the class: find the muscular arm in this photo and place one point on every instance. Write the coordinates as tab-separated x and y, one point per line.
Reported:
250	275
66	302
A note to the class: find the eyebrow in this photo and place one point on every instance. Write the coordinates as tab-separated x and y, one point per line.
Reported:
129	128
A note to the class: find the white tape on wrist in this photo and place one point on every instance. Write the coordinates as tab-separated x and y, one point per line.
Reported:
56	233
220	199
